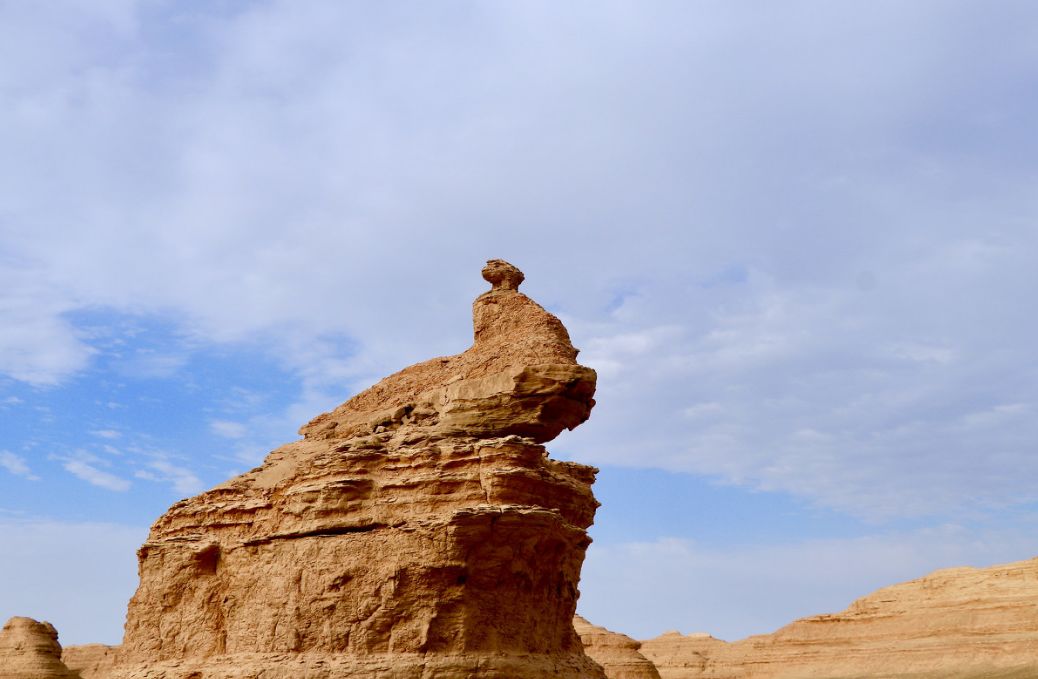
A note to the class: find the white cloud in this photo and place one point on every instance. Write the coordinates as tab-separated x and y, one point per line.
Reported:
38	346
182	479
797	389
94	476
228	429
106	433
148	364
828	247
16	465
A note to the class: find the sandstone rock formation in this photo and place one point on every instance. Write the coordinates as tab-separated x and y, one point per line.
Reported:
616	653
959	623
30	650
419	530
90	661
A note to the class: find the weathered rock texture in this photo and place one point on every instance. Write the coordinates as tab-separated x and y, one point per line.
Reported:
959	623
616	653
90	661
30	650
419	530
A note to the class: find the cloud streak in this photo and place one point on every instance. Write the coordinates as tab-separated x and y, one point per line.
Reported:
15	464
96	477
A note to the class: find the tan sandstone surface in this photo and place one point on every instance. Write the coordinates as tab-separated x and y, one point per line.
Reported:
616	653
90	661
30	650
418	531
959	623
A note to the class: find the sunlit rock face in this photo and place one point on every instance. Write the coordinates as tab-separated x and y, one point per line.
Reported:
617	653
30	650
419	530
959	623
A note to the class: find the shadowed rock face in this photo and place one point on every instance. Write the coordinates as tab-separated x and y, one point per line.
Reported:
418	530
30	650
959	623
616	653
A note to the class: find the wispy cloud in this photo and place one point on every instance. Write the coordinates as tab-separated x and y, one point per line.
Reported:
149	364
96	477
180	478
16	465
228	429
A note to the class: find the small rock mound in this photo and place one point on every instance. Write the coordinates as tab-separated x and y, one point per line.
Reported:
616	653
30	650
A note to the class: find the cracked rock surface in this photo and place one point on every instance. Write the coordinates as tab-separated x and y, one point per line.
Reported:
419	530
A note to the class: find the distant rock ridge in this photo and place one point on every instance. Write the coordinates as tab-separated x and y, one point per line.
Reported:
90	661
958	623
30	650
418	530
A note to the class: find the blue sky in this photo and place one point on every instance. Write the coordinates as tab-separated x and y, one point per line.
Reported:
797	240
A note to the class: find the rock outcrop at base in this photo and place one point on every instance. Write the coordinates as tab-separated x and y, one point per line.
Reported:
90	661
616	653
418	530
30	650
959	623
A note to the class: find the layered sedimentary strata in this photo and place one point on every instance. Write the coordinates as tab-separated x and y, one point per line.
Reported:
616	653
30	650
89	661
418	530
959	623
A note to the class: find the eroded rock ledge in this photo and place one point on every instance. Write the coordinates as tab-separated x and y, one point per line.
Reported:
418	530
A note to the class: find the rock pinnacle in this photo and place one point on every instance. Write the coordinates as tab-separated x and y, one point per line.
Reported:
502	275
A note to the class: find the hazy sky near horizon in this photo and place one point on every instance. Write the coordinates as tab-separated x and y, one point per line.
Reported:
797	240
